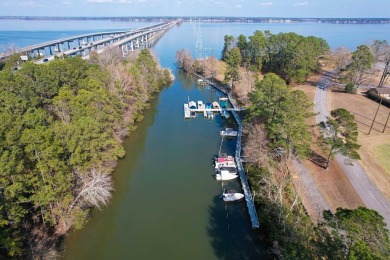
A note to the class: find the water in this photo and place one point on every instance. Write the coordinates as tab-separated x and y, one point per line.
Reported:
21	33
165	204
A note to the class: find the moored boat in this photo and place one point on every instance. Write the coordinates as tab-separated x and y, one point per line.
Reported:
224	160
231	195
192	105
226	174
228	132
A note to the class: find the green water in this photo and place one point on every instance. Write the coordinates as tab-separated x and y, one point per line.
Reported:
165	204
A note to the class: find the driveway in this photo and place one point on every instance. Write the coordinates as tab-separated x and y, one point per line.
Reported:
371	196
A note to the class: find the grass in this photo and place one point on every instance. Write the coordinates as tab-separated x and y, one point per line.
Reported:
382	152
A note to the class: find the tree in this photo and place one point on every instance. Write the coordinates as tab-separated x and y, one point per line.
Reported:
229	43
184	60
339	58
233	60
242	44
284	113
266	97
289	129
362	61
381	52
339	135
257	49
362	231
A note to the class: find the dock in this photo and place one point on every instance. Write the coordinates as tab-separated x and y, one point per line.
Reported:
187	112
244	182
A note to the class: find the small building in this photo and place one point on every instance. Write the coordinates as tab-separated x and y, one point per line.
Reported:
24	58
381	92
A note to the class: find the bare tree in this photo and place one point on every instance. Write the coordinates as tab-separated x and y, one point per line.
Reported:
184	60
95	188
339	58
210	70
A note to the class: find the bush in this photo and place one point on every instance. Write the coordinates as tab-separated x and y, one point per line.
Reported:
350	88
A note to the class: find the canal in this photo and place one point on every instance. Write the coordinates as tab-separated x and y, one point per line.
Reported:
166	202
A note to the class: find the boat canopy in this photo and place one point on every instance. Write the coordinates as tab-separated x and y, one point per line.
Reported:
192	104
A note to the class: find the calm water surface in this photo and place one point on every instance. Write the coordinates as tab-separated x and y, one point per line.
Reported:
165	204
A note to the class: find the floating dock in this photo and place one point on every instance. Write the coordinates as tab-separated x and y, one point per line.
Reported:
244	182
187	112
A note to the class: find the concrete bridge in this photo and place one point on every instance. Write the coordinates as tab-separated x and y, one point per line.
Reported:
84	44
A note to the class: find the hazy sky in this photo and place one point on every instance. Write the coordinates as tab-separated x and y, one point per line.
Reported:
257	8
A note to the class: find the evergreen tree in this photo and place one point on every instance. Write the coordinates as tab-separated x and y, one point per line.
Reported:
339	135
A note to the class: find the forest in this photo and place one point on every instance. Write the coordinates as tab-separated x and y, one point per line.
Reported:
291	56
61	133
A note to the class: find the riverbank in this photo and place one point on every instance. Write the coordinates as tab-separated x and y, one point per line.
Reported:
77	114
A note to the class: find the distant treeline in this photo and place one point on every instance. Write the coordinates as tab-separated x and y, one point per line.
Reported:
212	19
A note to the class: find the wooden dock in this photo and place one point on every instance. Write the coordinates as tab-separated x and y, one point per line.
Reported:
244	182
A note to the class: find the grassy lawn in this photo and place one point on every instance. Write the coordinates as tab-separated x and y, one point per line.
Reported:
382	152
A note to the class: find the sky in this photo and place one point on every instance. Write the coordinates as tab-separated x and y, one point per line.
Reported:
242	8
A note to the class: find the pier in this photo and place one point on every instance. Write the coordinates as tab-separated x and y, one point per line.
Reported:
240	168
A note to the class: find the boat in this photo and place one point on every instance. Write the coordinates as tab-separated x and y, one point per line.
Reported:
225	176
200	105
216	105
210	115
225	113
201	82
231	195
192	105
192	114
223	98
209	106
224	160
228	132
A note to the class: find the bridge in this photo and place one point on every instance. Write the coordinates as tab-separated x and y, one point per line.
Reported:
84	44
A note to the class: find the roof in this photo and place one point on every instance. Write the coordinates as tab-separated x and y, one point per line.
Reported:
381	90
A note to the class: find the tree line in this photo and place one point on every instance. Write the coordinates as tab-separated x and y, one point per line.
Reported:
61	135
356	68
291	56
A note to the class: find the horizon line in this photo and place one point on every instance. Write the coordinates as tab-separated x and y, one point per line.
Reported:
175	16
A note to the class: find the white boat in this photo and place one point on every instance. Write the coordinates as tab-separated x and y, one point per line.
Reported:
200	105
231	195
216	105
225	177
223	98
226	174
224	160
192	105
228	132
